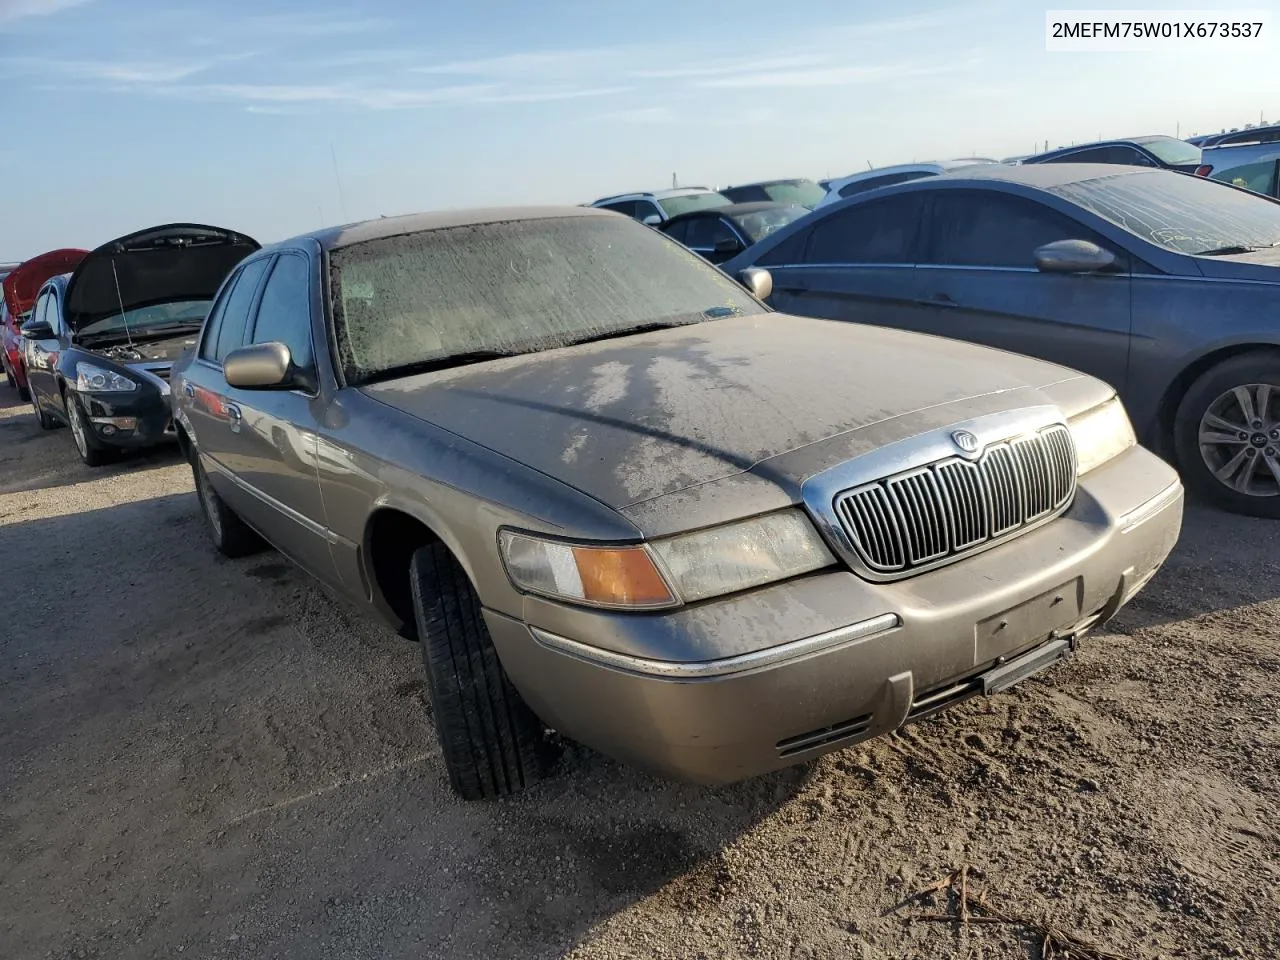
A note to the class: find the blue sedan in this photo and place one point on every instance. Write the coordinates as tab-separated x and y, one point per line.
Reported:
1165	285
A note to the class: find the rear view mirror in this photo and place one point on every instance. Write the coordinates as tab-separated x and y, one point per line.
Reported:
37	330
729	245
262	366
1073	256
758	280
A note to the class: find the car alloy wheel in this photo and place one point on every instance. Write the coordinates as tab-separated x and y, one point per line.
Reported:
77	427
1240	439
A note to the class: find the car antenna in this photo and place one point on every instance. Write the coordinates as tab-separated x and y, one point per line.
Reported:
128	335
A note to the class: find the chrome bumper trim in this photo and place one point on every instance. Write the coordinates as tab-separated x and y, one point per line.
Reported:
707	669
1150	508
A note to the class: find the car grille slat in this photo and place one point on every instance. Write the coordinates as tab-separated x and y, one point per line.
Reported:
919	518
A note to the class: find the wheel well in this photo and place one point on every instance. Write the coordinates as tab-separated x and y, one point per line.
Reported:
392	537
1182	382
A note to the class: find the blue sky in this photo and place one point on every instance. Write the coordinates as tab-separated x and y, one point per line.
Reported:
118	114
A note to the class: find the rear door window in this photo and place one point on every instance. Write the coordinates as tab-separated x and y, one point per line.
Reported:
627	207
706	232
881	231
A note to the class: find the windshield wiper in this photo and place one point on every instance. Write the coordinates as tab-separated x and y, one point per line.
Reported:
1225	251
437	363
640	328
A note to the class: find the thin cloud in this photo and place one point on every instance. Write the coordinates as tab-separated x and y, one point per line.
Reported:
543	64
828	76
272	96
13	10
645	115
732	67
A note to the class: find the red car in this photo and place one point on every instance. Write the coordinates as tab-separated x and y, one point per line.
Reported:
20	287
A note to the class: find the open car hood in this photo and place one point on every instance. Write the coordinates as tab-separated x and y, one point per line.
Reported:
25	280
172	263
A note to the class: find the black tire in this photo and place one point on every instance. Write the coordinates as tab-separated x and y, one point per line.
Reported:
46	422
93	452
1204	393
230	535
24	393
493	744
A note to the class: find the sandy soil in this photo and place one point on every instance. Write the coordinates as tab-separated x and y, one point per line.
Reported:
216	759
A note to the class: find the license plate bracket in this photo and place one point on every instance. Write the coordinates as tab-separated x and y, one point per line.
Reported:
1032	662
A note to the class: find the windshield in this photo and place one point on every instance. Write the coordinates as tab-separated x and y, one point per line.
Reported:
804	192
760	224
515	287
674	206
1173	152
144	321
1180	213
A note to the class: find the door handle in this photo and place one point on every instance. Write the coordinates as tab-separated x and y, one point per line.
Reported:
234	417
189	390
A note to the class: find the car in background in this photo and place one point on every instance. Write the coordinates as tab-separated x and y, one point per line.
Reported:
723	232
1267	133
615	496
1163	285
1245	158
850	186
1156	151
101	340
659	206
20	286
806	193
1261	174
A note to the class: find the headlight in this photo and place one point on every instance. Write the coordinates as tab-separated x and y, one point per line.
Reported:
98	380
1100	434
694	566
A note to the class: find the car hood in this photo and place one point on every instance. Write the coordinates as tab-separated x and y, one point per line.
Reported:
23	283
635	418
166	264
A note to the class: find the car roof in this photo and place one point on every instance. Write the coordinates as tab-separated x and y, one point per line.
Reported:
1257	135
1042	176
335	238
655	194
735	209
1117	142
936	166
768	183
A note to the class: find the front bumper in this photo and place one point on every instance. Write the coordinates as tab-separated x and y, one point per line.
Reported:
130	420
732	688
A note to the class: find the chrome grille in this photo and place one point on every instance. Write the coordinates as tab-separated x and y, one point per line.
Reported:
924	516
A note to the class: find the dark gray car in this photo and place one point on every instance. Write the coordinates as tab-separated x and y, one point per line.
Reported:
1165	286
615	495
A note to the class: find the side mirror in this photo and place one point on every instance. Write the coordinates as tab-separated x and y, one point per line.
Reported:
758	280
1073	256
729	246
37	330
652	220
262	366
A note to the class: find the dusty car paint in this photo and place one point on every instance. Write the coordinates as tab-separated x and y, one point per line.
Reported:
625	440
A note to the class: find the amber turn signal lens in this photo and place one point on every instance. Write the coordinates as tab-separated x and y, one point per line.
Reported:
623	576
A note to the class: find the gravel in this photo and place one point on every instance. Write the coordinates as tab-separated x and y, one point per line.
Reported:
214	758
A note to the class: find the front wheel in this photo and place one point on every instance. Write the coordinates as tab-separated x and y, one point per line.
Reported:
92	451
1227	435
493	744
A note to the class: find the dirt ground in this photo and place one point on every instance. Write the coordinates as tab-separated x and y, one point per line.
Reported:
209	758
